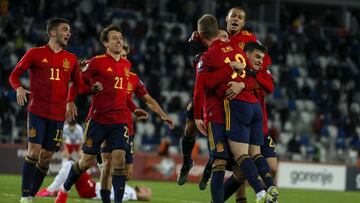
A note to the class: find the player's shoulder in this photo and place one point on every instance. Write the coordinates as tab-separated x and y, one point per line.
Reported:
246	33
37	49
126	61
71	55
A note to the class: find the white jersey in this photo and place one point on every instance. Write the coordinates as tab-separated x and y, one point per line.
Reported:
129	193
75	137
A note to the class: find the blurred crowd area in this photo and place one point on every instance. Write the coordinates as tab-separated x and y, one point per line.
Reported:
314	113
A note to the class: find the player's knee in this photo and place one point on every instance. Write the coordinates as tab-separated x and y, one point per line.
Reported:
242	158
34	153
45	158
118	159
86	162
219	165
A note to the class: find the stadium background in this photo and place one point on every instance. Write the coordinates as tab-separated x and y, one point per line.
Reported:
314	113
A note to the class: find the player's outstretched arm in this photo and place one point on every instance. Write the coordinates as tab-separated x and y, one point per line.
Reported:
155	107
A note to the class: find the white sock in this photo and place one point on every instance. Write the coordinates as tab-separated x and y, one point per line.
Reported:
260	194
60	177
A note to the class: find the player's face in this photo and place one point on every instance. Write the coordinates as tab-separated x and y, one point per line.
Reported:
123	54
63	34
143	193
224	36
235	21
115	42
256	59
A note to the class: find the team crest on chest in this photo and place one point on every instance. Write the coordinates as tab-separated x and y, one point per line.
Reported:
66	63
130	87
227	49
241	45
127	71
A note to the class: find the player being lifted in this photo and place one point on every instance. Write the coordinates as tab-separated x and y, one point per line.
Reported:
137	87
51	68
108	107
255	53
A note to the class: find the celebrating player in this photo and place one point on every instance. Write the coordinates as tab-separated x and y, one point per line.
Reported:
108	107
51	68
137	87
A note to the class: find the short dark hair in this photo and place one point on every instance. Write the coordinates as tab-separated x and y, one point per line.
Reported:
251	46
54	22
104	35
207	26
236	7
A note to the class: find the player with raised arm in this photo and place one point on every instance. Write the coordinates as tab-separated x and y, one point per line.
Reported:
135	86
51	68
108	107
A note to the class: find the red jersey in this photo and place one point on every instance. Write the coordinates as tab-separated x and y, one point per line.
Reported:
244	37
50	74
137	87
108	106
85	186
212	61
266	86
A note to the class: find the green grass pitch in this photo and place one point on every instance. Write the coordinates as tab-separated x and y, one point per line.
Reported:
170	192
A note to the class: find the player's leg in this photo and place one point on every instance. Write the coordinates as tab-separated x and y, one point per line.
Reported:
105	176
94	136
206	175
257	140
51	144
35	135
220	154
268	151
118	140
238	118
129	158
233	183
60	178
187	144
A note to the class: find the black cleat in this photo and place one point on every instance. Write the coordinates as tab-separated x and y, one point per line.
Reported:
205	179
184	172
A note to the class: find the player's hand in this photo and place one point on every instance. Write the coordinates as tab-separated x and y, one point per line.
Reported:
201	126
83	64
71	111
168	120
194	37
235	65
21	95
96	87
250	72
234	89
141	114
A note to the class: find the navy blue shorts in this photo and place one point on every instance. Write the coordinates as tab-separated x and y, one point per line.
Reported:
190	111
243	121
46	132
268	148
115	135
218	141
129	156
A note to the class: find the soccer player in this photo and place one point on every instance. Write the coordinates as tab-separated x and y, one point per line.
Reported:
88	188
137	87
108	107
51	68
256	53
189	136
207	100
